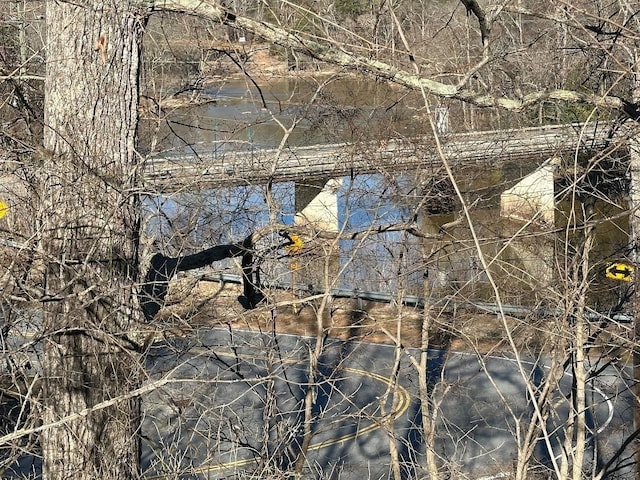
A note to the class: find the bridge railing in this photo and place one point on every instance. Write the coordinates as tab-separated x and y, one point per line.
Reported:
169	172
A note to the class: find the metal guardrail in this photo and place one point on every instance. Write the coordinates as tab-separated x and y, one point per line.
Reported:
171	172
443	303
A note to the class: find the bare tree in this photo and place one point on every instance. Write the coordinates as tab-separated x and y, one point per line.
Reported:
89	238
88	173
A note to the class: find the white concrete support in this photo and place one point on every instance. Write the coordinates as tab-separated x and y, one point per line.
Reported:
533	259
317	204
533	198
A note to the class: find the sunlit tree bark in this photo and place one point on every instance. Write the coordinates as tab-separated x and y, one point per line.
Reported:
89	238
90	211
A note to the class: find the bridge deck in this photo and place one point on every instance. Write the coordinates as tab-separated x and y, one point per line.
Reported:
175	172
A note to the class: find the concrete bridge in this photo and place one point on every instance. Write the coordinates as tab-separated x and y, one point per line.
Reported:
317	169
173	172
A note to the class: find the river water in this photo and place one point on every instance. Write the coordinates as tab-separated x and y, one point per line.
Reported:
325	110
334	110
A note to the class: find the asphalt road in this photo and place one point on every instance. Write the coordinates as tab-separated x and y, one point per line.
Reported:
236	406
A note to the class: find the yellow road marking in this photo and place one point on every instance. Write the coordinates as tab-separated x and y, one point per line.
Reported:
404	400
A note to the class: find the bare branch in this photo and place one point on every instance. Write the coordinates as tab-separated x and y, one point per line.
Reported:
474	7
338	56
38	78
163	268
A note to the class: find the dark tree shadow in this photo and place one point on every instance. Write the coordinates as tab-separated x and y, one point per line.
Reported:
414	441
162	269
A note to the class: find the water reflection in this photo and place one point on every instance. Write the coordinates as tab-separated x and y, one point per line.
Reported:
527	265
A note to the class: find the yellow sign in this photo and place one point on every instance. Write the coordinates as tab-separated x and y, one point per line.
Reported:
4	208
295	246
620	271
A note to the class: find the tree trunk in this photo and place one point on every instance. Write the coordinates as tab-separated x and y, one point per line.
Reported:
89	238
634	221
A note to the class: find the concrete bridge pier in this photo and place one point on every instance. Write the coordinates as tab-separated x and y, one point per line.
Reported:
533	200
316	204
435	274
